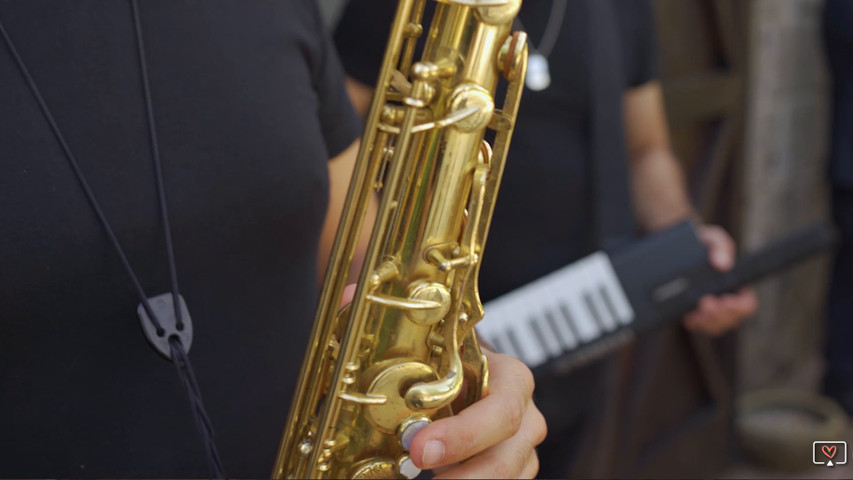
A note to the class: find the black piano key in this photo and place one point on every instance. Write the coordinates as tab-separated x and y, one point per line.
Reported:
599	319
567	315
540	335
517	347
608	302
561	337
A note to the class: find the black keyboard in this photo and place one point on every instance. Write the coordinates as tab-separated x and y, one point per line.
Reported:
592	307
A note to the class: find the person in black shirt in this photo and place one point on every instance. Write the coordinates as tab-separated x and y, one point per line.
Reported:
590	165
838	38
255	128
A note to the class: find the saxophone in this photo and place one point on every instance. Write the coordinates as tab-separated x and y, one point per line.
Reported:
397	357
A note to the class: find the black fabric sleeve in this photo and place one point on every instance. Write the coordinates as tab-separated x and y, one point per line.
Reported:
639	40
338	119
837	16
361	36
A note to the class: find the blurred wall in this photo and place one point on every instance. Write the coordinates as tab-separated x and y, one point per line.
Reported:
784	187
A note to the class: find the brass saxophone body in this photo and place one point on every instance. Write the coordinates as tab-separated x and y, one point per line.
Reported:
395	358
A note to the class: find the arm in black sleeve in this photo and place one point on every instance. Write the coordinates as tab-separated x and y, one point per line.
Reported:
639	40
340	124
361	36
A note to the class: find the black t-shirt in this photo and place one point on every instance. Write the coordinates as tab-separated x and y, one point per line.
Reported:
249	105
543	217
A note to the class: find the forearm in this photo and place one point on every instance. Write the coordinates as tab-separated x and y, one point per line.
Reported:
340	175
658	189
359	94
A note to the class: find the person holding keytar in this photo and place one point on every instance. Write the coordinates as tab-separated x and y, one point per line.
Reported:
590	167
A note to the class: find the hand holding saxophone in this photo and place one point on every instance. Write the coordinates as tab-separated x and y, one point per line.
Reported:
495	437
489	448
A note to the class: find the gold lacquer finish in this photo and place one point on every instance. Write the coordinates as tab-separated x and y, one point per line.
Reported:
396	358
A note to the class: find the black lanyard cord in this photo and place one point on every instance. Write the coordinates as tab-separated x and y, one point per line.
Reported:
202	421
552	29
177	349
81	178
155	152
179	355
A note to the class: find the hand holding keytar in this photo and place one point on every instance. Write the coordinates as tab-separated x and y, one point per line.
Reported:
598	304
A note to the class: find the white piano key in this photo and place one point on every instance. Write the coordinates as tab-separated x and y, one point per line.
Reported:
530	351
589	275
498	322
514	346
557	292
601	310
560	327
498	317
582	319
565	316
596	277
503	345
553	293
605	295
619	300
489	340
543	333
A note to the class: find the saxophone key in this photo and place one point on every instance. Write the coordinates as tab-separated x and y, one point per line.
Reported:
407	468
429	292
397	377
410	427
378	467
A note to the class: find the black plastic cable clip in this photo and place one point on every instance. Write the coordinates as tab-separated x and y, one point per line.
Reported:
164	309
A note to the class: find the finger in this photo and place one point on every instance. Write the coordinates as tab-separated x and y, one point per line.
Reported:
721	246
695	323
348	294
707	317
734	309
500	463
744	303
728	319
706	325
532	468
485	423
718	315
708	307
513	458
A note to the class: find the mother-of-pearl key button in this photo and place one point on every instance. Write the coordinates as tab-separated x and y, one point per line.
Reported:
407	467
409	431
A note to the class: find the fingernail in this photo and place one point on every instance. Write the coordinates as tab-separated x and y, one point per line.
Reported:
433	453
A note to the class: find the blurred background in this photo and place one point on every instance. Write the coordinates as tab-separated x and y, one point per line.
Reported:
748	100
